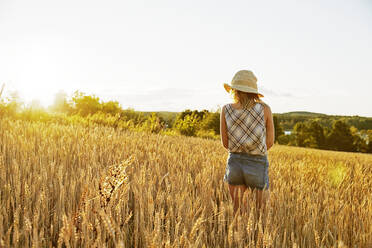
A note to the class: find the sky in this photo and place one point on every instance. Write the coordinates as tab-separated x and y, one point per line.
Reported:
174	55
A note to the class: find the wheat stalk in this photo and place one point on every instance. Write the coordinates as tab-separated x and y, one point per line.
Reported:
2	89
115	176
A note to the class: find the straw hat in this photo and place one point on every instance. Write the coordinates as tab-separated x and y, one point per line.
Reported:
244	81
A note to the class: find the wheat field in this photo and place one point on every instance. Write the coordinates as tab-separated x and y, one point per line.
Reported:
77	186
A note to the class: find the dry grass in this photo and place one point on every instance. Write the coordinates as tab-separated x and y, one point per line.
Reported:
67	186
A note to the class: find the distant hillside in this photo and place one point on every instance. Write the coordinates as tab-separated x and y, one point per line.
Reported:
302	113
288	120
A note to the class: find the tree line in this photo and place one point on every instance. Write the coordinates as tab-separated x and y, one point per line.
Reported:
90	109
339	137
289	120
308	129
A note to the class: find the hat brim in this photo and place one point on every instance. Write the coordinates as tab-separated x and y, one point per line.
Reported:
246	89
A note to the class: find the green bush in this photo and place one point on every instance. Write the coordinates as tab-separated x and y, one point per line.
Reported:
286	139
189	125
211	121
152	124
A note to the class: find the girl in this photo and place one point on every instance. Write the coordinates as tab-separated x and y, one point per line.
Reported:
247	132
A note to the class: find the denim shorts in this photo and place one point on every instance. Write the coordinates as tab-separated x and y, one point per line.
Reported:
247	169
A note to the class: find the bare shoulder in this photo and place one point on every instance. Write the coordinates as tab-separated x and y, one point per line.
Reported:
267	110
266	106
224	107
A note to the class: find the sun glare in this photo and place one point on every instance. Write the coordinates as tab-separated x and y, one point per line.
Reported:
37	92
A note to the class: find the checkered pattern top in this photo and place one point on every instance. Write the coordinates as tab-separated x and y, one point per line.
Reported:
246	129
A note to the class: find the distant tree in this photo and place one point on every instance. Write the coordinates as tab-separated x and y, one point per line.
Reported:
61	103
188	125
211	121
340	138
369	141
111	107
190	122
287	139
317	133
300	132
309	134
152	124
278	130
35	105
360	144
85	104
196	113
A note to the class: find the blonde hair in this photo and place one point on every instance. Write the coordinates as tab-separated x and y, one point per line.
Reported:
246	100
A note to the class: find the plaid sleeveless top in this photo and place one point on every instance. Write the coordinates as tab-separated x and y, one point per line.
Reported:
246	129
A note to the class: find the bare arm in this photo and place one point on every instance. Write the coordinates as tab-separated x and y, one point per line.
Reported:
269	127
223	129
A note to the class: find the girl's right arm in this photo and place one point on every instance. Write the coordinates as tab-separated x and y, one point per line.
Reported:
223	129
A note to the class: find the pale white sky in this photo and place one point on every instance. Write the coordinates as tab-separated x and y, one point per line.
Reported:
175	55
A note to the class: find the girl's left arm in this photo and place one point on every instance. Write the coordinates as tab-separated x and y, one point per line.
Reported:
270	135
223	129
